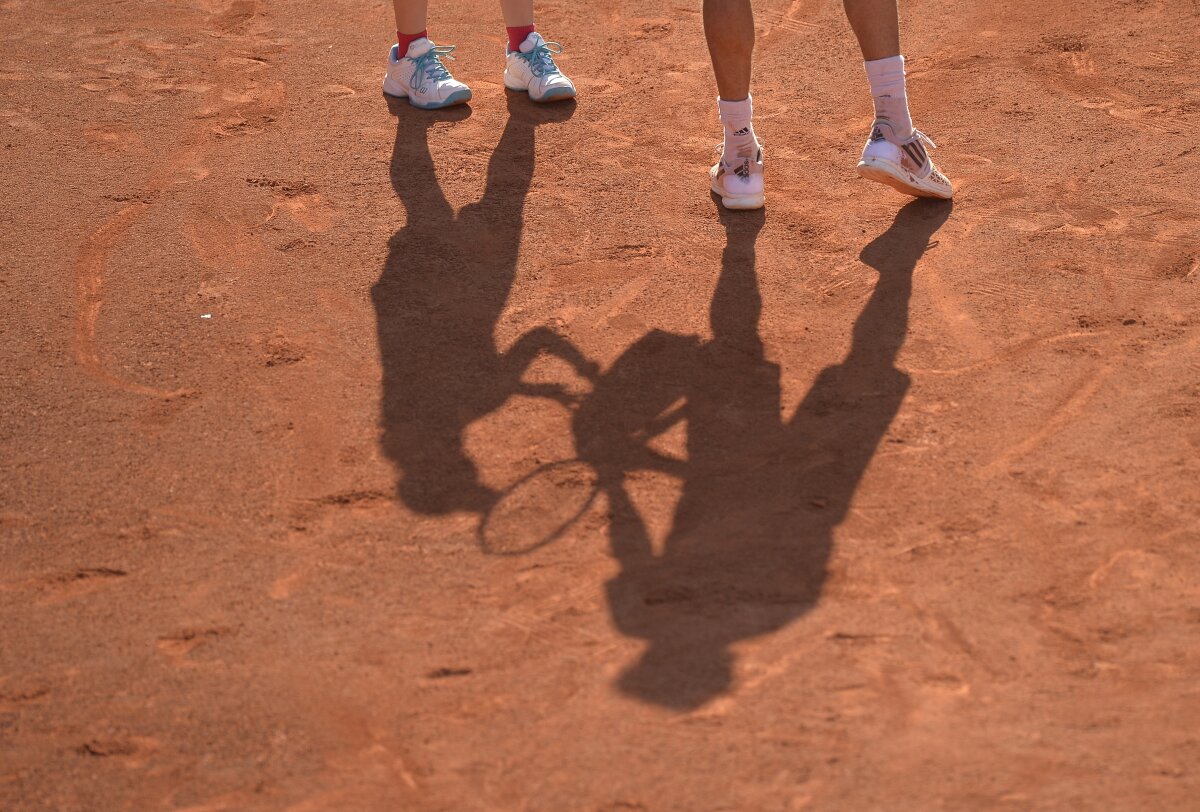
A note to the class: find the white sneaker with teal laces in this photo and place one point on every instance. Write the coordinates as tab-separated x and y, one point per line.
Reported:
420	76
903	164
531	69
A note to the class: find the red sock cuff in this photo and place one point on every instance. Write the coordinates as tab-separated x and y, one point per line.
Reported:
405	40
517	35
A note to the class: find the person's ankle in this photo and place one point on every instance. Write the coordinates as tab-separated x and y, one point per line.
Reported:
890	95
737	117
404	40
517	35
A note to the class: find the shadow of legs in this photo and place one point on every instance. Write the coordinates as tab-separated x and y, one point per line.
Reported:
438	300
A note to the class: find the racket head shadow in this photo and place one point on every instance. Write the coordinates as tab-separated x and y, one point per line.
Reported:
538	508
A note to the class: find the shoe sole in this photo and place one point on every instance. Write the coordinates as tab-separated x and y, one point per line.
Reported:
880	172
741	202
457	97
552	95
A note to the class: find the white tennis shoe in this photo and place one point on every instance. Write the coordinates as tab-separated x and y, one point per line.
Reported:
420	76
903	165
531	69
739	180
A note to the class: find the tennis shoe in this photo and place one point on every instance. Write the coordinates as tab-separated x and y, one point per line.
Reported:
738	179
903	164
422	78
531	69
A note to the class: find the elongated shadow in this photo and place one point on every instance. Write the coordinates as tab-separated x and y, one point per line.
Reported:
749	542
437	303
747	550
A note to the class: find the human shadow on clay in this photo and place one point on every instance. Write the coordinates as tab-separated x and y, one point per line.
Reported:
747	550
751	535
437	303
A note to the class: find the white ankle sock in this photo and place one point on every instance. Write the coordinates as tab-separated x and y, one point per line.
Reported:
738	120
891	97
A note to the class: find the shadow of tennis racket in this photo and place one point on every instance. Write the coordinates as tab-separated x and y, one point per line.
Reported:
539	508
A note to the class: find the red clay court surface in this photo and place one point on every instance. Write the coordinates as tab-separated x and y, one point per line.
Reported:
370	459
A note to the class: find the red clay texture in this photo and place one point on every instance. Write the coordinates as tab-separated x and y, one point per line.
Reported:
357	457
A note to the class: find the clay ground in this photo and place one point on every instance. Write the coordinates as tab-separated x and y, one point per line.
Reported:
370	459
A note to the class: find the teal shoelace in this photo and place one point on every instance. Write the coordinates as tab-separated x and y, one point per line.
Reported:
541	58
430	64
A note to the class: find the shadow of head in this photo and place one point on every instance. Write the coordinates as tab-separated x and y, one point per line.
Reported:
678	675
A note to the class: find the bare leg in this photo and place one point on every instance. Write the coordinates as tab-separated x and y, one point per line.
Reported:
876	23
517	13
729	29
410	15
